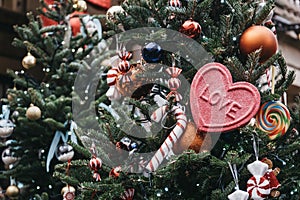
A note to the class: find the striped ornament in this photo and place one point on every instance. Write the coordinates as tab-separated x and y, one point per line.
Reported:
124	66
174	82
125	55
258	187
95	165
128	194
175	3
111	79
169	142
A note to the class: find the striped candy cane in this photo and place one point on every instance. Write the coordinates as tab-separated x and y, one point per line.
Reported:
269	77
175	134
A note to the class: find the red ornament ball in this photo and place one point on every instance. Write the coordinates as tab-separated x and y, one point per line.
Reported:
257	37
75	22
190	28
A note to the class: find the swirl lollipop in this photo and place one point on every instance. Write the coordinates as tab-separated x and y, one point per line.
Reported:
273	118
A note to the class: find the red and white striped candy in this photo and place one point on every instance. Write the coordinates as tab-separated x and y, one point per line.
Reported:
158	114
124	66
258	187
269	77
175	134
173	71
95	165
175	3
112	77
125	55
174	82
128	194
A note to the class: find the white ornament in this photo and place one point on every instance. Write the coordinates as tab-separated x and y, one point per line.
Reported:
238	195
6	128
8	158
257	168
113	11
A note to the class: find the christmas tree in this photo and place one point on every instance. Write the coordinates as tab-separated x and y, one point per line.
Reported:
38	108
172	100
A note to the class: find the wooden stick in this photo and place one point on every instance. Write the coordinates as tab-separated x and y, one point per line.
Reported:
273	79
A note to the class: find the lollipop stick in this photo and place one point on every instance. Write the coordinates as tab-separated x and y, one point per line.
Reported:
273	79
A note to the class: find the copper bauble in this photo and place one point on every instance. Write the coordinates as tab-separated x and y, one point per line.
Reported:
191	139
12	192
190	28
33	112
257	37
29	61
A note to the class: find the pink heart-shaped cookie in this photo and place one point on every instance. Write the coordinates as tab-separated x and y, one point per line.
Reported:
217	104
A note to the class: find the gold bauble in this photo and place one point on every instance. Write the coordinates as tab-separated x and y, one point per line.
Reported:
33	112
80	5
10	97
12	192
192	139
29	61
67	188
257	37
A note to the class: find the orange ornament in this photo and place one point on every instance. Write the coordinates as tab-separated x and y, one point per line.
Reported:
192	139
190	28
257	37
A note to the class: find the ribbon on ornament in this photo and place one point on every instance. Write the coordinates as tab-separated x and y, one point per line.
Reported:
5	112
166	147
101	3
110	110
64	137
238	194
6	125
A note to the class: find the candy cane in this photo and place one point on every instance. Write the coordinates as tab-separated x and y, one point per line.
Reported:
158	114
268	77
175	134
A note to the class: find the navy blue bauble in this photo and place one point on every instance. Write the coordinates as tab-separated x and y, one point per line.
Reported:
152	52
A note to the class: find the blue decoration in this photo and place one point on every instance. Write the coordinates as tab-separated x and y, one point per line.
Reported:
133	146
152	52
